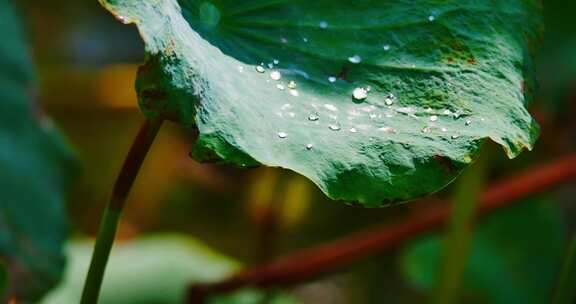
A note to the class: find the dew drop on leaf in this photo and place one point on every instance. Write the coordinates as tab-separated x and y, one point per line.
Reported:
275	75
313	117
355	59
360	94
335	127
332	79
260	69
331	107
123	19
388	130
282	135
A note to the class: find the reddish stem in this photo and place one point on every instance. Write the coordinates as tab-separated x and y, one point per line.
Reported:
310	263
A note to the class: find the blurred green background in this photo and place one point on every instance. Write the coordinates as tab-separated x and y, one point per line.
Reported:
87	62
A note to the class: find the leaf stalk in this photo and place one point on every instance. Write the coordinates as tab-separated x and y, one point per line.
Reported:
112	213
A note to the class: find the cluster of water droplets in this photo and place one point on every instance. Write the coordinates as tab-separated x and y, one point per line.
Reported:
385	107
377	109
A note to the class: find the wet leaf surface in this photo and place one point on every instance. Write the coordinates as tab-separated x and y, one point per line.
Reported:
362	97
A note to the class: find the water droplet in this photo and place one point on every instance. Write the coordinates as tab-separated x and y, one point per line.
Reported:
240	69
433	118
360	94
426	129
332	79
123	19
386	47
275	75
280	87
388	130
468	122
323	24
431	18
260	69
282	135
444	130
455	136
309	147
353	130
283	40
388	101
331	107
355	59
406	110
294	93
270	65
335	127
292	85
313	117
305	39
276	61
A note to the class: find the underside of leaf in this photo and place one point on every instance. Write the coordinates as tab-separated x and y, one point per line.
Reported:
375	101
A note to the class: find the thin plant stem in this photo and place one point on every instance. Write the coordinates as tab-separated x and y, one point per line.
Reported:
113	211
460	233
566	289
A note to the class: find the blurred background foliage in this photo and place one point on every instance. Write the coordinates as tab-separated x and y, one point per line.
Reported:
87	63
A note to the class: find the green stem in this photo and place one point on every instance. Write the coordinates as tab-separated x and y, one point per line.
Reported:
566	289
111	217
460	234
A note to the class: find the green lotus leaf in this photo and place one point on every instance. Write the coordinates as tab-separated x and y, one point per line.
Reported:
374	101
